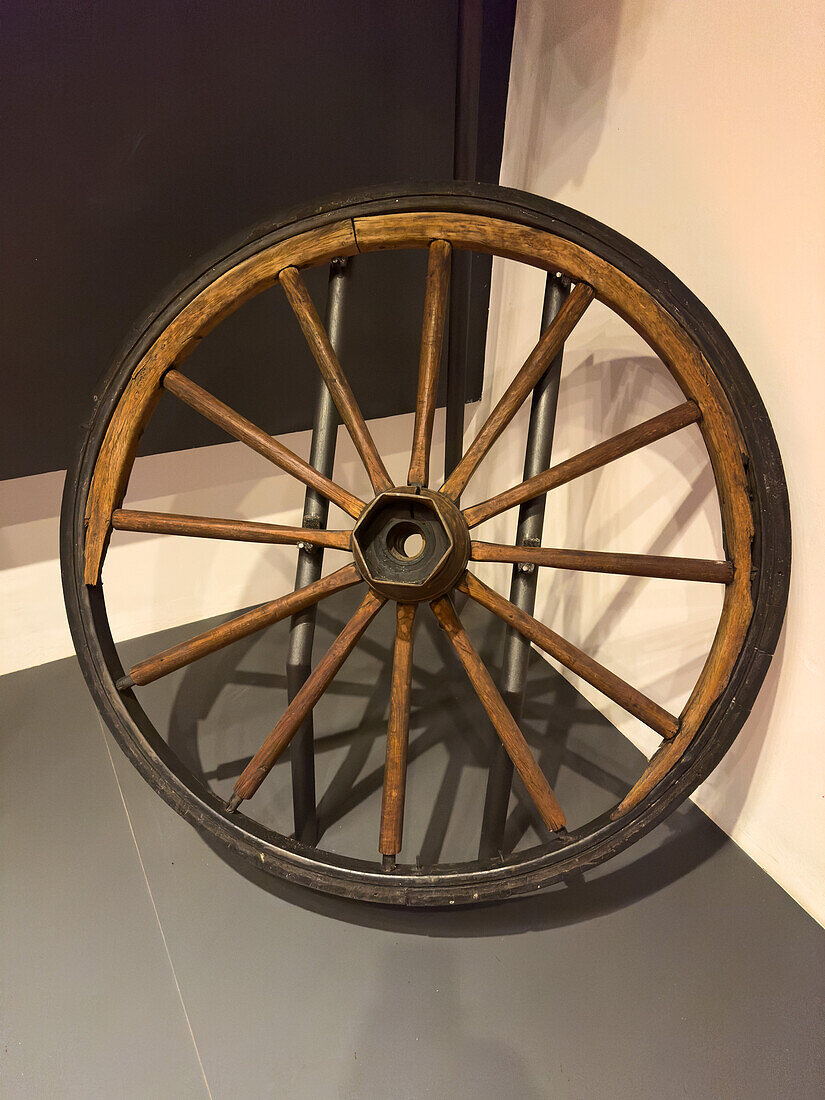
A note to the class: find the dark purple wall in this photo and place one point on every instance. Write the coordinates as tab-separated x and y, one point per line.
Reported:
137	136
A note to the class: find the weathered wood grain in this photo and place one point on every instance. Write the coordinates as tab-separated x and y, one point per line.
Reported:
730	634
549	345
593	561
238	426
398	732
178	339
633	701
337	384
314	687
236	530
584	463
241	626
432	335
503	722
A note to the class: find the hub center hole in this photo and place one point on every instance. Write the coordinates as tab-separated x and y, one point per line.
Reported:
406	541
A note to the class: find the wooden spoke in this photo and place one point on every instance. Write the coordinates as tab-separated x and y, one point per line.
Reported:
545	351
592	459
505	725
314	687
592	561
240	627
237	530
432	333
398	732
238	426
573	658
324	354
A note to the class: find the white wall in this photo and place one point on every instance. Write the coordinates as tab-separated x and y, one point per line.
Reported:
697	129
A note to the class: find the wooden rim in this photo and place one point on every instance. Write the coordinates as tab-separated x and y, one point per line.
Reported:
442	232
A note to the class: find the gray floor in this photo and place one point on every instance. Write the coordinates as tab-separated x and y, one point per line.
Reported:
138	962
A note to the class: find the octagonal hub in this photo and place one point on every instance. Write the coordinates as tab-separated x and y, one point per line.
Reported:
411	544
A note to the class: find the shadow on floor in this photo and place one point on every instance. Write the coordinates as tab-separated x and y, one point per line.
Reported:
216	712
687	841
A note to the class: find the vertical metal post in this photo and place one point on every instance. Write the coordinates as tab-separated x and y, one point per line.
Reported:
525	576
310	561
465	153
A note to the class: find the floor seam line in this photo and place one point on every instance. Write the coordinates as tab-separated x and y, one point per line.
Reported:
155	909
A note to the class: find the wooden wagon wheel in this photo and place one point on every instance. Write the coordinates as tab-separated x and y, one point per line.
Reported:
598	264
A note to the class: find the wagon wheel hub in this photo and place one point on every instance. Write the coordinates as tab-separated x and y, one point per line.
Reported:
411	544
